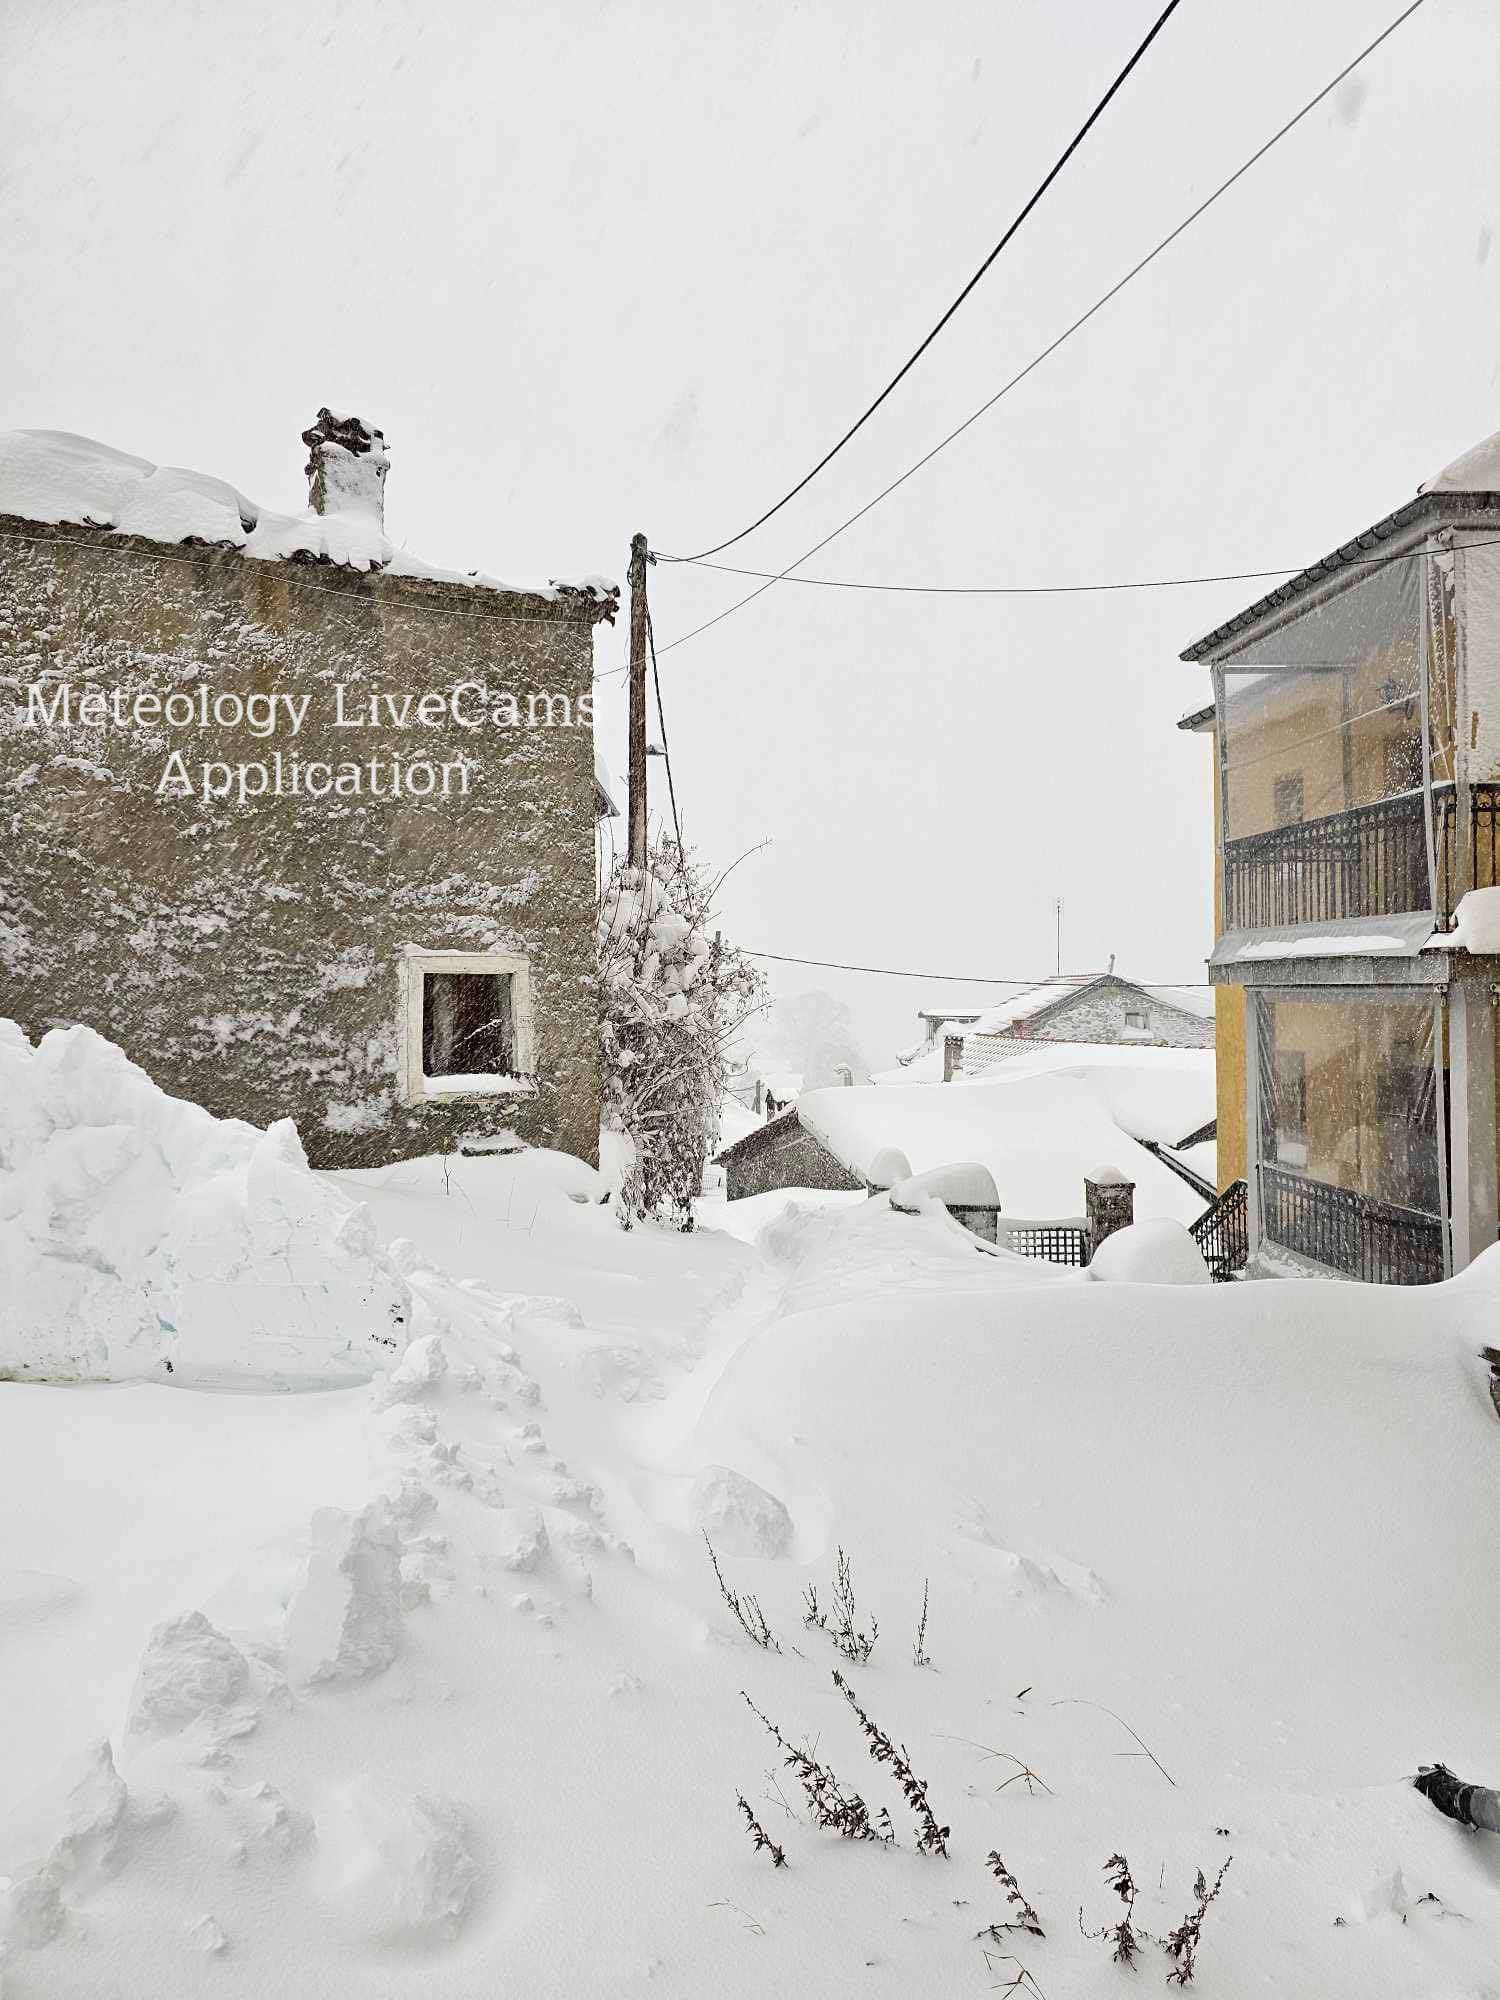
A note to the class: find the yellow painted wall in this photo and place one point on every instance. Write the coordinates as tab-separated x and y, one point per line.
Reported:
1229	1029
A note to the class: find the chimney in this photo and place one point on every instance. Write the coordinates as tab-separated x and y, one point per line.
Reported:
953	1057
1109	1204
346	466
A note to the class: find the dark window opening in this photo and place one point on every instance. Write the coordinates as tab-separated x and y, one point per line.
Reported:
468	1026
1287	806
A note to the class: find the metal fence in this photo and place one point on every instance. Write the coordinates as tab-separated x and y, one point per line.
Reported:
1064	1241
1368	862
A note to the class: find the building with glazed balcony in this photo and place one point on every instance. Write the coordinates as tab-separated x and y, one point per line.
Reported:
1356	724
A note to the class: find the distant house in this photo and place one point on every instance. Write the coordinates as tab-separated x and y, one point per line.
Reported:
304	824
1099	1008
782	1153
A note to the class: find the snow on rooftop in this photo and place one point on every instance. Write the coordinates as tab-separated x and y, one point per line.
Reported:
55	476
1038	1135
1476	471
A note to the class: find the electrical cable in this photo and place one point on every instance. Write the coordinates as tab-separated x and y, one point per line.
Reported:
911	361
1082	321
661	718
961	978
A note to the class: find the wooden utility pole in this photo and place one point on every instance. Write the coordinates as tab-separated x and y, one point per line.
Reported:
639	557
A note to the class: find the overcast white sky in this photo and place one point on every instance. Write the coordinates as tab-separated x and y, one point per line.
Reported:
596	269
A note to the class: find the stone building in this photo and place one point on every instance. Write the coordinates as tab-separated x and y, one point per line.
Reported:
781	1153
1087	1008
303	824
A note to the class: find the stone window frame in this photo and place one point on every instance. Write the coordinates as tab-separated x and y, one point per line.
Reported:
416	963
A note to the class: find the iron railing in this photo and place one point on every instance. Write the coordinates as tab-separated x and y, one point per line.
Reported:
1370	861
1484	844
1222	1233
1376	1241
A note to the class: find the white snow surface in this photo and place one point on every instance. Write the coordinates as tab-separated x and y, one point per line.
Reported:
142	1238
424	1687
1038	1133
56	476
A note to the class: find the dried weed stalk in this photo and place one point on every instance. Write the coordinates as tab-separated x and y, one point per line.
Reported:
759	1835
1123	1935
1181	1945
830	1805
919	1654
746	1610
841	1621
1026	1918
931	1838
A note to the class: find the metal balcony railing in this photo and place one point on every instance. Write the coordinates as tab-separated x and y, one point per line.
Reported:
1376	1241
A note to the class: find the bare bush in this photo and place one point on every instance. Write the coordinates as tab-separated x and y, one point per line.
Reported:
919	1654
1122	1936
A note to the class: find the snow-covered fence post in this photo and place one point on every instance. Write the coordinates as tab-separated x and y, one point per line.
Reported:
1109	1204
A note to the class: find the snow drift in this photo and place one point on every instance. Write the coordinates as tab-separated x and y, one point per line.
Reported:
142	1237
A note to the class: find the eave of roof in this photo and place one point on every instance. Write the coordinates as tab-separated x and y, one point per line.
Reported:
1433	509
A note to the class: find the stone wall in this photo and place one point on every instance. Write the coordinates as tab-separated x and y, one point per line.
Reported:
783	1155
246	954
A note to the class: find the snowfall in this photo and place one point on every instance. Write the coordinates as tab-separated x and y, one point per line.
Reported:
358	1632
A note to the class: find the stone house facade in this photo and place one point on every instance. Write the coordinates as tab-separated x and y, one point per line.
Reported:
1103	1009
304	825
779	1154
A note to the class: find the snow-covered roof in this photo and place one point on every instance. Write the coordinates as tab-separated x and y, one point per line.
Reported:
604	786
1476	471
1037	1134
54	476
1029	1001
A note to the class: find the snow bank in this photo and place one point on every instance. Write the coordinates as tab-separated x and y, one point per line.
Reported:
1150	1253
142	1237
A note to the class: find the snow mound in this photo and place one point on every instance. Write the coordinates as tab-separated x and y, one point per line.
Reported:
738	1516
1478	924
392	1867
190	1673
345	1621
142	1237
1150	1253
965	1184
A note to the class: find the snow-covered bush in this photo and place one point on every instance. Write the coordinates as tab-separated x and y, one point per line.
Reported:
672	996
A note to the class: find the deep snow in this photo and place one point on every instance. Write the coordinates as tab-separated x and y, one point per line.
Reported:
461	1713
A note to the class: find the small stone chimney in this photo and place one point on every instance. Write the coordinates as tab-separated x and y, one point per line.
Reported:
953	1057
346	466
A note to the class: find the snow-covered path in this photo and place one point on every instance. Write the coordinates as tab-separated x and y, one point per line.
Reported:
477	1728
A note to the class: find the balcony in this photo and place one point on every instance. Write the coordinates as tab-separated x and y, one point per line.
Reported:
1377	1242
1370	861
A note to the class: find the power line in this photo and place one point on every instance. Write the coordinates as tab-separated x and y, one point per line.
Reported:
964	978
661	718
911	361
1073	589
1067	334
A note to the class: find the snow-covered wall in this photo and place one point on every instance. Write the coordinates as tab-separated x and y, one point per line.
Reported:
245	950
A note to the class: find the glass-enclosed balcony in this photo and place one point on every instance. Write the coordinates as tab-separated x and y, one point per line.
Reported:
1337	740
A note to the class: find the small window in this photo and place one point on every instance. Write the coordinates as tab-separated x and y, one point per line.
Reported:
1136	1021
1289	1078
1287	806
466	1024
